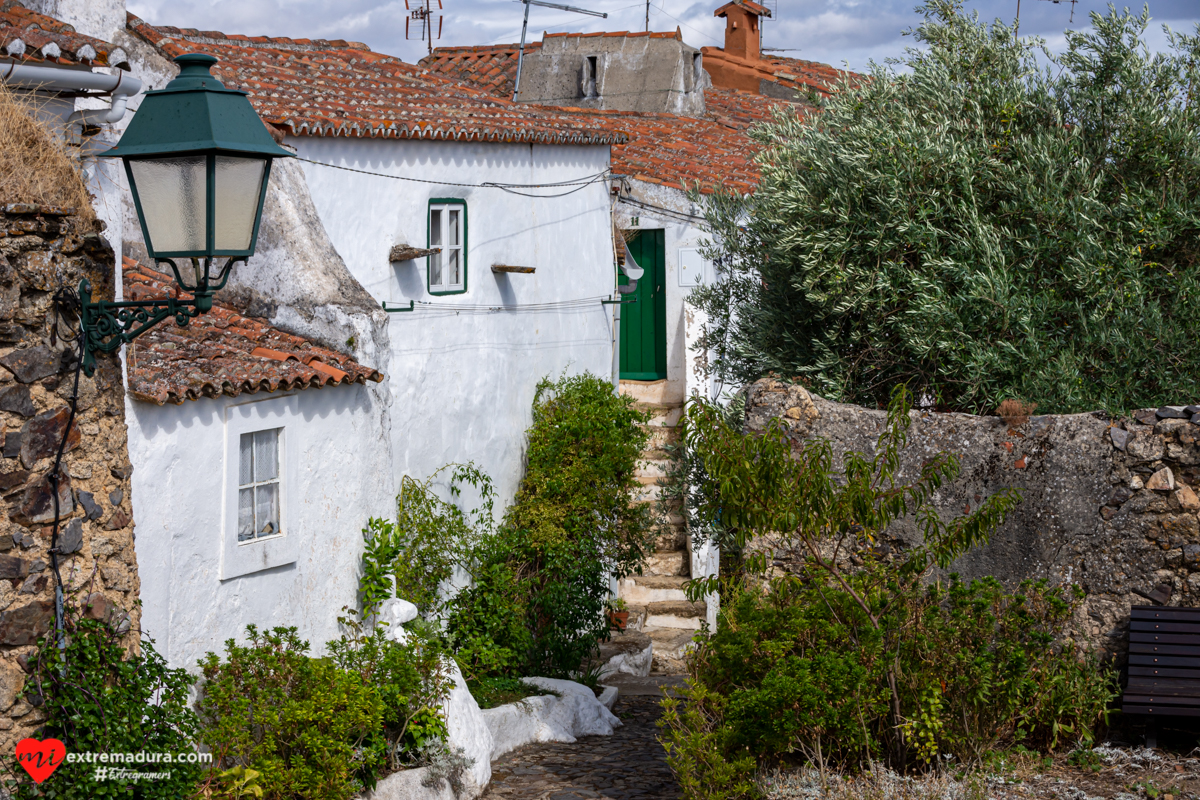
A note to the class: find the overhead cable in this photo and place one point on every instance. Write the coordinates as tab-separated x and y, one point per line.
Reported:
585	181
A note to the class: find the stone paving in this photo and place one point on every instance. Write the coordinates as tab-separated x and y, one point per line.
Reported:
629	765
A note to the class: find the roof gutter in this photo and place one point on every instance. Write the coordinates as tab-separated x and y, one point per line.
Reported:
121	86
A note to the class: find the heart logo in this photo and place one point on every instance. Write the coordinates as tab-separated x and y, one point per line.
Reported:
40	759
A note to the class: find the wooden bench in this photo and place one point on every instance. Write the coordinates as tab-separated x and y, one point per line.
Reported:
1164	664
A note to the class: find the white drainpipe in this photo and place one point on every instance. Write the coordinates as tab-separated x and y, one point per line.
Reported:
121	86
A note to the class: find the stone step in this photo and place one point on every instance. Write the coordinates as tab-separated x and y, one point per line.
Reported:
652	468
649	392
662	416
660	437
668	563
644	589
671	539
670	649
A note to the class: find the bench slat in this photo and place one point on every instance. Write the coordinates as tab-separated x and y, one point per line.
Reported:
1164	626
1160	711
1156	648
1163	638
1158	612
1150	699
1160	660
1171	687
1165	672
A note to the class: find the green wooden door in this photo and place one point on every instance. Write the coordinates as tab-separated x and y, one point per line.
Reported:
644	323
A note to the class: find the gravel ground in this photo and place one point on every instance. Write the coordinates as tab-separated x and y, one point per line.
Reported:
1117	773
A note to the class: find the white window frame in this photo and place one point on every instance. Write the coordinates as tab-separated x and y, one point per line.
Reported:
256	555
445	205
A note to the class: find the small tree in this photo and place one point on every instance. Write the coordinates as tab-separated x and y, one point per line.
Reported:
977	227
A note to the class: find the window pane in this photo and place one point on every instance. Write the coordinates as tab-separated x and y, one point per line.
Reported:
173	193
245	514
266	509
238	184
266	455
246	459
455	276
452	233
435	227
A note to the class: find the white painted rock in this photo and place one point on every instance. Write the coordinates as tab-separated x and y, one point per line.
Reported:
547	718
635	663
392	615
467	727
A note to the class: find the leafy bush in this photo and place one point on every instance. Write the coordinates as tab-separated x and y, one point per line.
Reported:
414	556
99	698
976	227
311	729
848	654
411	679
536	605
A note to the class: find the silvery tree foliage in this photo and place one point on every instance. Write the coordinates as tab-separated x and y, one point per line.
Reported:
980	220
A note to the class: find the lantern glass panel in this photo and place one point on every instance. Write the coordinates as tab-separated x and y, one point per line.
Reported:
173	194
238	185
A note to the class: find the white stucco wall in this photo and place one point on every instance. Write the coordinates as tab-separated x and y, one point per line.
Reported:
462	376
180	497
678	234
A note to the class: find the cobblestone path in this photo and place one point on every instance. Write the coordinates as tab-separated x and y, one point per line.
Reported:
629	765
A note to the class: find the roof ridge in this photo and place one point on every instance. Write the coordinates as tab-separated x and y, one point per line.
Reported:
239	40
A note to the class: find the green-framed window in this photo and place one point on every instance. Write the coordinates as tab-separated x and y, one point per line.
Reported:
447	230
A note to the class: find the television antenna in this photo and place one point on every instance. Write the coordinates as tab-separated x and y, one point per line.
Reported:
1017	25
525	24
423	12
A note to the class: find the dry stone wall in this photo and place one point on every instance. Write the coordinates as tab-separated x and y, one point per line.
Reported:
42	249
1108	503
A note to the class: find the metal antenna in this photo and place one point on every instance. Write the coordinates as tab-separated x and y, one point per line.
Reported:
647	16
422	11
525	24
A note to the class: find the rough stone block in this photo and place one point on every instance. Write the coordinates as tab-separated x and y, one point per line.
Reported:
90	507
1119	437
1162	481
42	435
32	364
1172	412
70	538
37	504
15	399
12	567
24	624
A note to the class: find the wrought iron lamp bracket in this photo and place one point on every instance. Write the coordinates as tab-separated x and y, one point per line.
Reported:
107	325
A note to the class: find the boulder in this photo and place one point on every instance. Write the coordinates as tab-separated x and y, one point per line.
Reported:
468	729
576	712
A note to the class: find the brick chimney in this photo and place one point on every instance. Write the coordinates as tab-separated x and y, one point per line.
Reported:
743	33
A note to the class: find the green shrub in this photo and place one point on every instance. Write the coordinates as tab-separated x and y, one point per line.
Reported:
976	226
850	655
536	605
411	679
414	556
311	729
99	698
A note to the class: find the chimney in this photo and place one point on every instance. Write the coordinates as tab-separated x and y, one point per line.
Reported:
743	33
99	18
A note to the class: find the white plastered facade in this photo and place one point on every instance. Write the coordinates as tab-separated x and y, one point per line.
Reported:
464	368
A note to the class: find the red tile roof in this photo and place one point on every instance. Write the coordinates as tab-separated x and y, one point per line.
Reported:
29	36
338	88
665	149
749	5
223	353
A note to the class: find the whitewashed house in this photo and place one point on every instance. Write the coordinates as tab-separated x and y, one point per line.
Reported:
401	163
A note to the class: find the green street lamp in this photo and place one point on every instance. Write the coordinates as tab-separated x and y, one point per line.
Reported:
198	159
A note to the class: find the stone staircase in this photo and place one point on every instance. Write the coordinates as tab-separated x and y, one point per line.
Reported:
657	603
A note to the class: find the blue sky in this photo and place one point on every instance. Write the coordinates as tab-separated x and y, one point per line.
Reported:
831	31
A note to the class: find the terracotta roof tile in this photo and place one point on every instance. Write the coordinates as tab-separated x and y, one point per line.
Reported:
665	149
29	36
224	353
338	88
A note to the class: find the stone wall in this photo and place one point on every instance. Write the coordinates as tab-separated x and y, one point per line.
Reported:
1109	504
42	249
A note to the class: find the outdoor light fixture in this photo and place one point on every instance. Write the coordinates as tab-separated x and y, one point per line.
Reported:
198	159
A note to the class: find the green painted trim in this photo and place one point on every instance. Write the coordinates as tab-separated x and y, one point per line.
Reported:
443	201
643	355
642	376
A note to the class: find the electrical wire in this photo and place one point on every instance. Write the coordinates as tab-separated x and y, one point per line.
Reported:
581	183
678	216
65	299
464	308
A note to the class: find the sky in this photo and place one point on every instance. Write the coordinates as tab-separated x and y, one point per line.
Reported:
840	32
